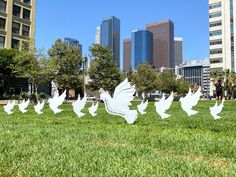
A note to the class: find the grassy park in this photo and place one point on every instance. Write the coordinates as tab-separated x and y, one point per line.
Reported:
63	145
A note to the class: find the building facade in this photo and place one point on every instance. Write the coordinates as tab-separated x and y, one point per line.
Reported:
127	55
110	37
17	22
98	34
163	43
70	42
178	50
222	24
197	72
141	48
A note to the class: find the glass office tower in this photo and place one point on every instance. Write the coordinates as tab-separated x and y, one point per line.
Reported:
70	42
110	37
141	48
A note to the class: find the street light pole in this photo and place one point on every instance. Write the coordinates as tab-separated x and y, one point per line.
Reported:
84	61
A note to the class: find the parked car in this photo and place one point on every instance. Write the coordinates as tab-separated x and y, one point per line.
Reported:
177	97
91	97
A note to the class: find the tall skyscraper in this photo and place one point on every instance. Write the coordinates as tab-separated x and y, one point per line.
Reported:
141	48
70	42
98	34
178	51
17	22
127	55
163	43
222	24
110	37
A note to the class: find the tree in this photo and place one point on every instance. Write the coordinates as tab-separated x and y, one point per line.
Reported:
232	84
69	61
182	86
6	60
103	72
32	64
100	53
167	81
145	79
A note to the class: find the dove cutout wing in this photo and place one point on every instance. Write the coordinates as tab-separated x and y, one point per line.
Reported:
163	105
119	104
78	105
142	107
38	108
93	109
56	101
8	108
23	105
189	101
217	109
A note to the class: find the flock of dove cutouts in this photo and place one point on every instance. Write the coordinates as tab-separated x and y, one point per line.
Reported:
119	104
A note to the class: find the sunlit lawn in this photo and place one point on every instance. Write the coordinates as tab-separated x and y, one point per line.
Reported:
63	145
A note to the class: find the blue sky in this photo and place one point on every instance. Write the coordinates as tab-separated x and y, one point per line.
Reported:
79	18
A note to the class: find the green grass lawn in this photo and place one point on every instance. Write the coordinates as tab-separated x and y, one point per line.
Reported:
64	145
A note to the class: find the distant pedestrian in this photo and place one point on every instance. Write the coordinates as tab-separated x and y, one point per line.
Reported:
219	89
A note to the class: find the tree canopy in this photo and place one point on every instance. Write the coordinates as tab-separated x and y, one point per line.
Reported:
103	72
69	61
34	65
145	79
6	60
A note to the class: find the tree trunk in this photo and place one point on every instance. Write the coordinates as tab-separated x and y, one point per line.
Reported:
6	83
36	91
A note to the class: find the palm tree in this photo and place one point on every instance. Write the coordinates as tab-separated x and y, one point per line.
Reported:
215	76
232	84
226	83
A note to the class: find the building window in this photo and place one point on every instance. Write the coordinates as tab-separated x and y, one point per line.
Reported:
214	6
2	42
216	33
215	24
213	52
2	23
27	1
15	43
232	28
3	5
26	14
213	15
216	60
15	28
16	11
25	30
215	42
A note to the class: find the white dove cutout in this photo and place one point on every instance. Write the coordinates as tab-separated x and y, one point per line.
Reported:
142	107
190	100
56	101
163	105
216	109
23	105
120	102
38	108
93	109
78	105
8	108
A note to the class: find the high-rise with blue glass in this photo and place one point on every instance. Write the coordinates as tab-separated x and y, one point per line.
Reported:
70	42
110	36
141	48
